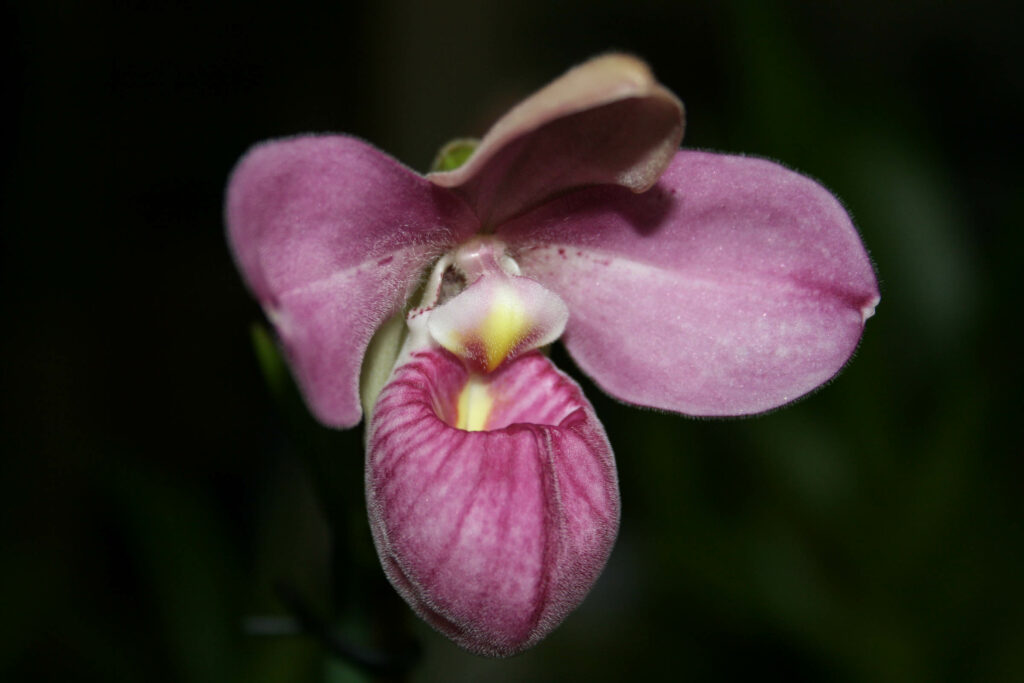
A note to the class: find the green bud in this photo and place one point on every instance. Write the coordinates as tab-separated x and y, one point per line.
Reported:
454	154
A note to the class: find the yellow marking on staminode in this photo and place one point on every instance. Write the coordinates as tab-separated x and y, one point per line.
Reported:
475	403
505	326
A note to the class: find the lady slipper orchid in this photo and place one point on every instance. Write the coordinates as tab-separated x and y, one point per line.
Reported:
698	283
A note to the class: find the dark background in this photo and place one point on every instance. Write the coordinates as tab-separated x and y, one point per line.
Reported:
152	492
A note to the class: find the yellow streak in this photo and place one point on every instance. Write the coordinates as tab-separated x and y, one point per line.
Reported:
505	326
475	403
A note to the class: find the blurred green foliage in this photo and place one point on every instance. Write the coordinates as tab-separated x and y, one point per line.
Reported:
155	491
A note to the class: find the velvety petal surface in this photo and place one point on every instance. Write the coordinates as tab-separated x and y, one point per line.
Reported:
331	236
492	536
606	121
733	286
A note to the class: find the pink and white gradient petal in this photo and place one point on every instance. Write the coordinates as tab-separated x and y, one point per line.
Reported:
331	235
606	121
732	287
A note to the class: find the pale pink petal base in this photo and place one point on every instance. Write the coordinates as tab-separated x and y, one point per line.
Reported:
731	287
493	537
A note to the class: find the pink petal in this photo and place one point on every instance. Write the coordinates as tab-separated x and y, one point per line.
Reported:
493	537
331	235
606	121
731	287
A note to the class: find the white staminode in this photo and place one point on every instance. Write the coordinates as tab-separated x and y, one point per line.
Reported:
495	317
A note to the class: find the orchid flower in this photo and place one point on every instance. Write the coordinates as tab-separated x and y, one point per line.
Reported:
698	283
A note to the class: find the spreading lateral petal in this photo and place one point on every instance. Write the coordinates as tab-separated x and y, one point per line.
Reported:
732	287
331	236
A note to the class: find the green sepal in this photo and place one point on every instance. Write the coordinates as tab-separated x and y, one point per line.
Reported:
379	360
